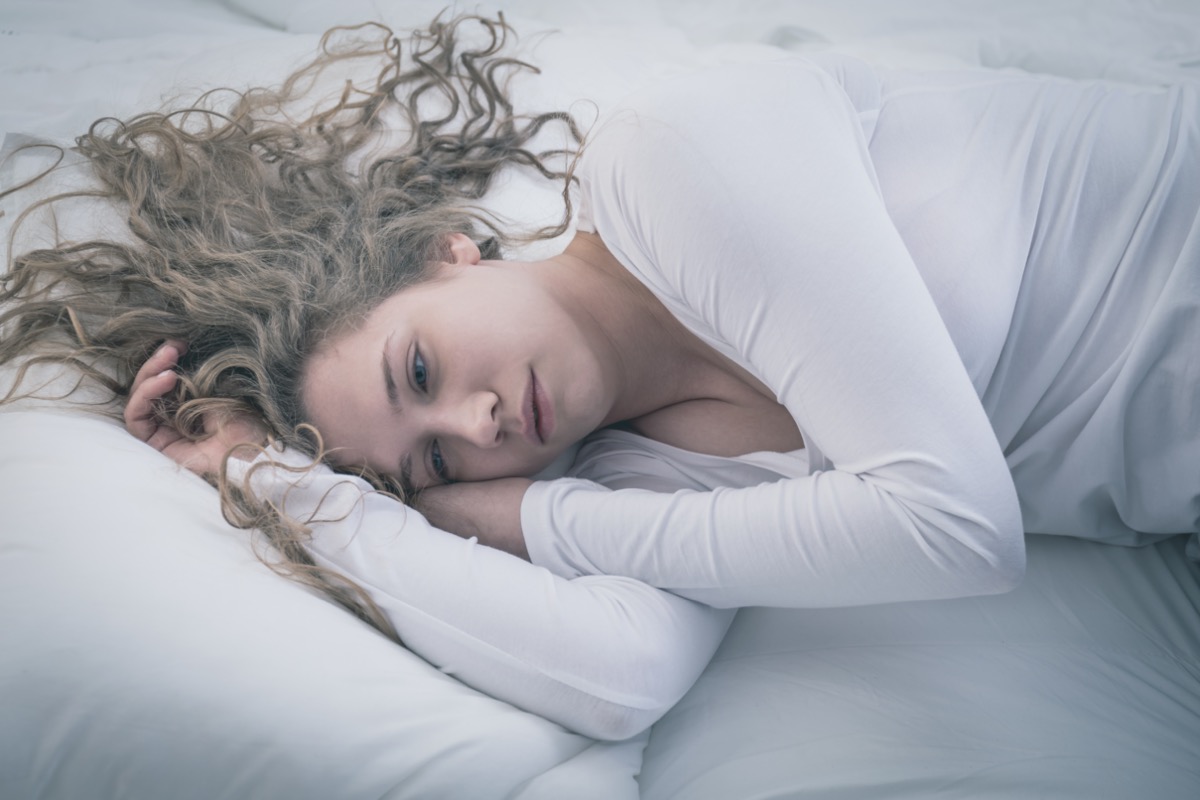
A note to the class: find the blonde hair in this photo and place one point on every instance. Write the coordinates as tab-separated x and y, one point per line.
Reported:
254	236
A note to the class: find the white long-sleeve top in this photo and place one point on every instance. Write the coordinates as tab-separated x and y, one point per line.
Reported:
932	272
746	200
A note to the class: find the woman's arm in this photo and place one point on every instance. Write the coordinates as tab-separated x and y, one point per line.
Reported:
604	656
746	199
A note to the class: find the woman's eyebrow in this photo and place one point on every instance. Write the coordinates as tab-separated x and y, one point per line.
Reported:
389	380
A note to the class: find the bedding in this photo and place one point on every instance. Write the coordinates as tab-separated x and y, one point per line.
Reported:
1082	683
146	652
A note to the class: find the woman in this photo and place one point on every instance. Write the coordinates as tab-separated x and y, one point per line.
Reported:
791	277
888	282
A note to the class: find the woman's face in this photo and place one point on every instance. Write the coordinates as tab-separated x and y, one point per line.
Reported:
478	373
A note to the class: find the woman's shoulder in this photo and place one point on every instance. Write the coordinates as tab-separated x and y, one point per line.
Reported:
742	83
690	112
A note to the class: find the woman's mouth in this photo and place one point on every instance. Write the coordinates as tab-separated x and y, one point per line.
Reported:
539	413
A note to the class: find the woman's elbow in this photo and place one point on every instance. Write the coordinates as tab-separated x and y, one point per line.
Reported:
999	538
626	712
1000	545
1007	566
976	541
656	676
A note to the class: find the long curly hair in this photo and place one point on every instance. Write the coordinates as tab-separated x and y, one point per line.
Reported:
257	231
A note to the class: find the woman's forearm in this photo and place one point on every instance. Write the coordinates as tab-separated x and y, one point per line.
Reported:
604	656
832	539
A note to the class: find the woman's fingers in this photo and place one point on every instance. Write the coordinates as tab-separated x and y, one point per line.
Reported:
165	357
152	381
140	418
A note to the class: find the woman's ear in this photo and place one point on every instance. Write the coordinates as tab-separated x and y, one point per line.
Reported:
463	250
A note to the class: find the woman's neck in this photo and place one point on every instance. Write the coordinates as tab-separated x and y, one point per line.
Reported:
654	362
666	382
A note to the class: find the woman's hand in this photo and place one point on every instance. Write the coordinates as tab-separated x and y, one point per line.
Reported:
487	510
204	457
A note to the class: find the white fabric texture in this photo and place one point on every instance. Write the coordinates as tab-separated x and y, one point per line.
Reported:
1051	226
1081	684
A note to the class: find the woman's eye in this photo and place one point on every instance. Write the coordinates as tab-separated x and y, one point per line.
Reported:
420	373
439	463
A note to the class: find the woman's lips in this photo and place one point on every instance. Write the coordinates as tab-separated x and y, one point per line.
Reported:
529	413
538	412
543	412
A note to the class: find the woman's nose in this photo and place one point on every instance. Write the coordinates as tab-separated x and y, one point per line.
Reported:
476	419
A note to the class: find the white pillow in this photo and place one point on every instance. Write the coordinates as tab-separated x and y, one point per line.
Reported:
148	653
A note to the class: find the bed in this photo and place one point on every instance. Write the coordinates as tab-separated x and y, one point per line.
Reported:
146	652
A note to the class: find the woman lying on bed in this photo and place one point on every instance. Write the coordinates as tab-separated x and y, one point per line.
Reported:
833	335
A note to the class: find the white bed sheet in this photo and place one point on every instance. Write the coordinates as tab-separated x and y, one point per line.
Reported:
1084	683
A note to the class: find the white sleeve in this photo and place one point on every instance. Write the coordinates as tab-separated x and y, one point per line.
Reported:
603	656
748	201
